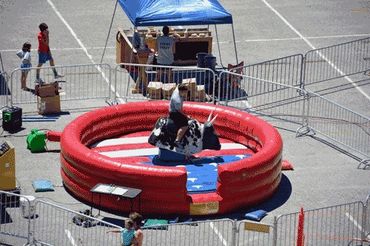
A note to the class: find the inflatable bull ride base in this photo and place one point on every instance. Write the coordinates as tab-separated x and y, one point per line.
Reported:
244	158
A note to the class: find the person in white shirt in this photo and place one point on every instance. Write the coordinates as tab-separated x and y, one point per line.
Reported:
165	54
176	112
165	48
25	55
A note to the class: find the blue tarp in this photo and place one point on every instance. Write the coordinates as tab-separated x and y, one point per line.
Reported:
175	12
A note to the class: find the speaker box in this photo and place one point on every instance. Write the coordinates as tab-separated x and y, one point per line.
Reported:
12	119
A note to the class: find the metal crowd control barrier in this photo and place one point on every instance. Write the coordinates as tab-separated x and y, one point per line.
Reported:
313	112
4	89
80	82
338	123
25	220
324	64
285	70
336	225
15	219
132	80
366	219
286	229
255	233
56	225
197	233
261	96
269	87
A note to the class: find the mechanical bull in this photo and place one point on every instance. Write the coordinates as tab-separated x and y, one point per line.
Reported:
197	137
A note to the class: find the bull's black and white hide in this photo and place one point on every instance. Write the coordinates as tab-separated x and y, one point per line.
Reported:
197	137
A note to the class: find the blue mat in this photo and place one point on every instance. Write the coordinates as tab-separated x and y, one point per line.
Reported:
202	172
256	215
42	185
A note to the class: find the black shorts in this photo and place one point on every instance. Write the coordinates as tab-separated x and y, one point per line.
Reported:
179	119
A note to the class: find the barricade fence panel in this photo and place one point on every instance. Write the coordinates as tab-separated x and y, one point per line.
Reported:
285	70
286	229
4	89
261	96
197	233
255	234
324	64
15	219
326	117
124	81
367	219
142	82
80	82
55	225
339	124
336	225
33	221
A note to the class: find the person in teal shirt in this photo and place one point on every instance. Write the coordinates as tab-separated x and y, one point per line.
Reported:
127	233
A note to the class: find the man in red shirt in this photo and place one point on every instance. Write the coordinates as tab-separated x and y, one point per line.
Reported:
44	52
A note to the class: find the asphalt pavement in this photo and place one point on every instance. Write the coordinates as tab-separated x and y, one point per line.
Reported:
265	29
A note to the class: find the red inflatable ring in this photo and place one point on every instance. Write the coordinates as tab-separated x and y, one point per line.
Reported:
240	184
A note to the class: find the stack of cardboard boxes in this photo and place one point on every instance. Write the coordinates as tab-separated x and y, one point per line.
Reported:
48	99
158	90
196	92
200	94
154	90
167	90
191	85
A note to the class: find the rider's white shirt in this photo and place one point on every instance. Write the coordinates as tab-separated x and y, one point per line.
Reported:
176	101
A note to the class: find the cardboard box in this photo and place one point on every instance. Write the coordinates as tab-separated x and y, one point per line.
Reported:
154	90
48	105
200	94
47	90
167	90
191	85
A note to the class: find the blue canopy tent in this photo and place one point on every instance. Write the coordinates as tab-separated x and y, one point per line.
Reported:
177	13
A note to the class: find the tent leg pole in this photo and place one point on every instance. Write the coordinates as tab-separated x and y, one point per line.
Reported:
236	51
110	28
218	46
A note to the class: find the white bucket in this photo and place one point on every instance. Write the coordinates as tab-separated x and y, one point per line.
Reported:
28	206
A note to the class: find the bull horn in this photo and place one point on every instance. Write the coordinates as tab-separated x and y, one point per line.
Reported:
214	118
209	117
